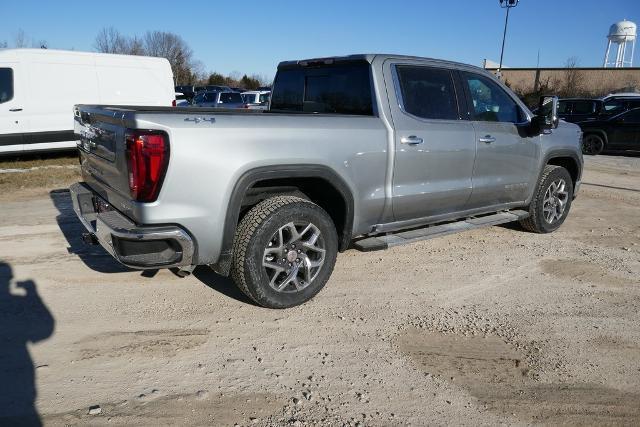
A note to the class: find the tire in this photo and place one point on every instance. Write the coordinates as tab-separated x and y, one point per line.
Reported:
551	202
282	239
592	144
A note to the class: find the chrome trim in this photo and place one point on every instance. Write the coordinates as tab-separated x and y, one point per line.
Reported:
411	140
113	223
487	139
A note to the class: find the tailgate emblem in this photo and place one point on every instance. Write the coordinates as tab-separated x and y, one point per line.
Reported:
200	119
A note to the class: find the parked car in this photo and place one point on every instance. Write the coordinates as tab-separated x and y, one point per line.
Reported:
215	99
39	87
363	151
585	109
616	133
213	88
617	103
256	99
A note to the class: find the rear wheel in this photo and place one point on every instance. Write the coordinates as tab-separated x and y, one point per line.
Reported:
592	144
552	201
284	251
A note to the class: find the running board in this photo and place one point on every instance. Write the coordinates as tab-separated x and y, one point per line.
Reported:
377	243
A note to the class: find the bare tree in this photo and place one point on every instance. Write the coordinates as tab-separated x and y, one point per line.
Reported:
172	47
135	46
264	79
572	79
109	40
20	39
3	44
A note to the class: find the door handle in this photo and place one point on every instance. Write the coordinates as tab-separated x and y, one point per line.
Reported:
15	109
411	140
487	139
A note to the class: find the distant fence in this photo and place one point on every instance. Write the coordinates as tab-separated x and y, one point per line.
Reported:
572	81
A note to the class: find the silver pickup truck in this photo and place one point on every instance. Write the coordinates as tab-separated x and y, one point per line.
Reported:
362	151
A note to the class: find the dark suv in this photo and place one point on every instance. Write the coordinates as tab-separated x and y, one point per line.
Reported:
576	110
618	132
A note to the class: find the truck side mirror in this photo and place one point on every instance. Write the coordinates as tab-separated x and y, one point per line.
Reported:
547	117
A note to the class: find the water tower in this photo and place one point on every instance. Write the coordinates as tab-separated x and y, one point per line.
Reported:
623	36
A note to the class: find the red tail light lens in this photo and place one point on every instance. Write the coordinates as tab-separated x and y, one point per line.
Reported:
173	103
147	158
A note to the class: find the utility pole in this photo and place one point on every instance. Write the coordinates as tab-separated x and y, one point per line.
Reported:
505	4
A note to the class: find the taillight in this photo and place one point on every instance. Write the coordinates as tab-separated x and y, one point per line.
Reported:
147	159
173	103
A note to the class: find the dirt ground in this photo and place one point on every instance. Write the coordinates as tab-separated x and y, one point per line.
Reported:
493	326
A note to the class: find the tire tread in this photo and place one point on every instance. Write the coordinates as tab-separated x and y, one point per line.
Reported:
245	231
532	222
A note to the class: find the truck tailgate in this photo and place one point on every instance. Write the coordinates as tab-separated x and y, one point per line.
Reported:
102	149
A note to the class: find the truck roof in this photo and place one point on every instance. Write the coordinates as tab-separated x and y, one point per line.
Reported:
368	57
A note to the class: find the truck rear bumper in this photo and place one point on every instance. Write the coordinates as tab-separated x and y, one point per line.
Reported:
141	247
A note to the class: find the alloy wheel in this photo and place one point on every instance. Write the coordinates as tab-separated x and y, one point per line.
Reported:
555	201
294	256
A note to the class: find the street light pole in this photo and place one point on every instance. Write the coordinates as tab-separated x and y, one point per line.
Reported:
505	4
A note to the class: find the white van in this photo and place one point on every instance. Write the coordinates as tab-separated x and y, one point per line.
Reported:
39	87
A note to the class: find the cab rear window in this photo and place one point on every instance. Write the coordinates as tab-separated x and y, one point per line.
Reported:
337	89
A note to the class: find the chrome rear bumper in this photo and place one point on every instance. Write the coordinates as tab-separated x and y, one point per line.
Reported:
141	247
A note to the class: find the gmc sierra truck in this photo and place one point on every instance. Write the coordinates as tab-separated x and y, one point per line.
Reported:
363	152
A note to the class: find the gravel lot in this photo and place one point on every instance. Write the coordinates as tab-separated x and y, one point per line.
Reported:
491	326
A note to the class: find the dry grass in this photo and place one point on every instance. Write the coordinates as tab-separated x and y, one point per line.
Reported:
25	162
17	185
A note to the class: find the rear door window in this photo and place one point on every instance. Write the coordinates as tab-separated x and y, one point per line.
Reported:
6	85
427	92
338	89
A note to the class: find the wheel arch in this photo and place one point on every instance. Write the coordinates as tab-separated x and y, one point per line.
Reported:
317	183
568	160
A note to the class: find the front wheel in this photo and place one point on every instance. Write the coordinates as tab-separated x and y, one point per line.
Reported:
592	144
284	251
551	202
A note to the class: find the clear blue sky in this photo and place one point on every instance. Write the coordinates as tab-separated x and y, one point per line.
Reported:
253	36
